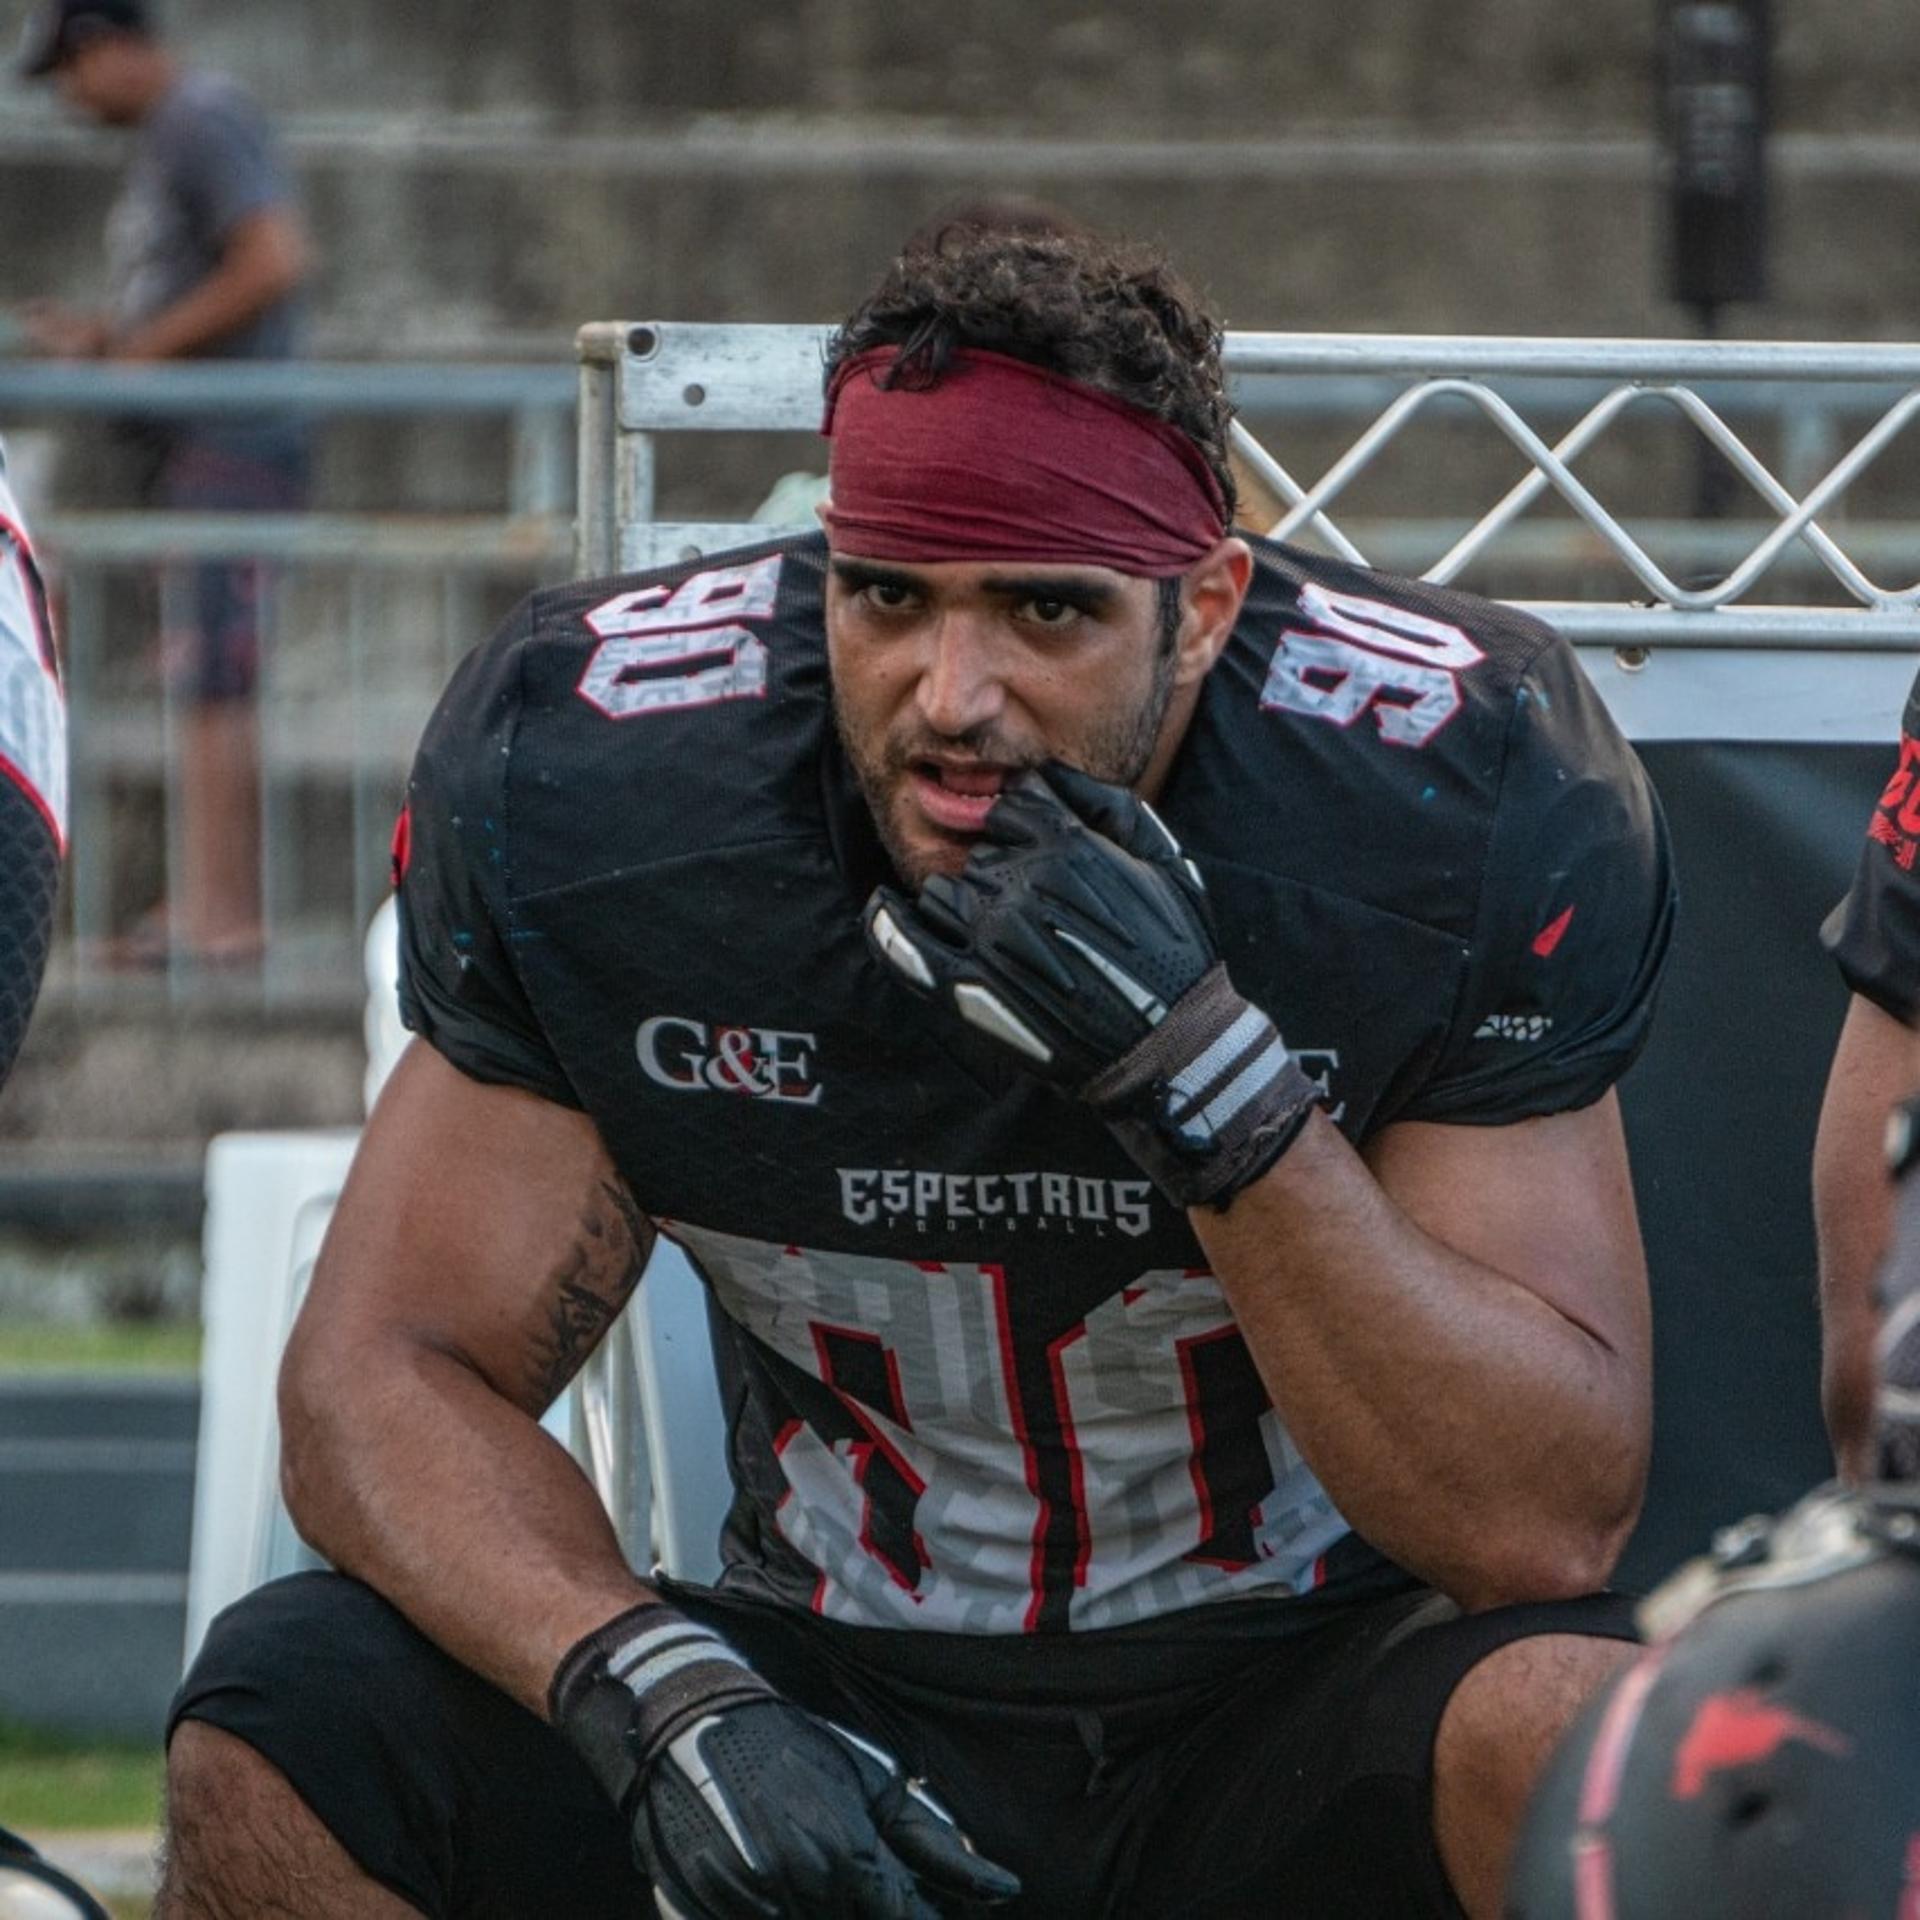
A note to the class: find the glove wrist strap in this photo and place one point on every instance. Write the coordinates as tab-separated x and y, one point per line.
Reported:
622	1694
1209	1099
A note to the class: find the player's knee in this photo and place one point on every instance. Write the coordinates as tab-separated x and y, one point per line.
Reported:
217	1787
241	1842
1499	1729
285	1686
1511	1710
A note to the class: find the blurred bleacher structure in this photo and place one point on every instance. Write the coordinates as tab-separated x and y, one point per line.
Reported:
482	184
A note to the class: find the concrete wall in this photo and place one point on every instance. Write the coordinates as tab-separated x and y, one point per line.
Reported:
489	177
1135	67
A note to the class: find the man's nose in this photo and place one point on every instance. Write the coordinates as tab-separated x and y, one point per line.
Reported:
960	683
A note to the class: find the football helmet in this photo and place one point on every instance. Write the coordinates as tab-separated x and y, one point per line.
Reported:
1760	1760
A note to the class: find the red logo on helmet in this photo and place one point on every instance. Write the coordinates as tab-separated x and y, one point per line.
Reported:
1741	1729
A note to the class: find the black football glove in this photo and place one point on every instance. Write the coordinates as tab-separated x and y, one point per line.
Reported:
743	1806
1077	936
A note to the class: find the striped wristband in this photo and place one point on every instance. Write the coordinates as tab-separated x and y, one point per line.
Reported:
623	1693
1209	1099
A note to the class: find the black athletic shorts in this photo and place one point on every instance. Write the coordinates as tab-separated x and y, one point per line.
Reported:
1129	1774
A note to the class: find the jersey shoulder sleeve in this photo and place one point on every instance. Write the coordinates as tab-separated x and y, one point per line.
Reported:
459	987
33	715
1874	933
1574	916
30	862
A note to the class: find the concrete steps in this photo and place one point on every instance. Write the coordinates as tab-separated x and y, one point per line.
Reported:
1141	67
96	1503
476	238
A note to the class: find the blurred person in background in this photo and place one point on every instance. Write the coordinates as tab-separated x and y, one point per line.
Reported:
207	256
33	777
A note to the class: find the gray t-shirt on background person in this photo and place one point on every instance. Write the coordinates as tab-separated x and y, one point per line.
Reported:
207	159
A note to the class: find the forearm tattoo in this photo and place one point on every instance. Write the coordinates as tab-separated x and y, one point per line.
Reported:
588	1287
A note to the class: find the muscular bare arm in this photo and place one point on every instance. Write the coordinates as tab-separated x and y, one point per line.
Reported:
1456	1332
483	1245
1876	1063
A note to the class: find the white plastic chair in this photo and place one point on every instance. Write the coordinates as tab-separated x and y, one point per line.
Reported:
269	1198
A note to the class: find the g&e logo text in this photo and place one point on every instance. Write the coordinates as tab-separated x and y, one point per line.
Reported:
890	1196
764	1063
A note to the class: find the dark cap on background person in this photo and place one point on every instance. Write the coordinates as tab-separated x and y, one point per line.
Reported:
55	29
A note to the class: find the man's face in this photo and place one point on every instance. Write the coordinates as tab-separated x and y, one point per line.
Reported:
950	676
96	79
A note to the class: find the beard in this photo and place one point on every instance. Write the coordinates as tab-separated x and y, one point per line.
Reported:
1116	747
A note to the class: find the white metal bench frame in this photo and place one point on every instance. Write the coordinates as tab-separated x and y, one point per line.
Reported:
640	381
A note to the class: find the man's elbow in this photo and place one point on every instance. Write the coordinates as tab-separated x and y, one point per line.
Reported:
293	259
1566	1566
306	1414
282	266
328	1397
1582	1560
1559	1556
270	257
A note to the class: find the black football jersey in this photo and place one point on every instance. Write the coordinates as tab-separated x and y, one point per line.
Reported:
1874	933
978	1375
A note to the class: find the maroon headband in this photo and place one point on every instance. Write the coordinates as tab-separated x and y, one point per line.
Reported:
1000	460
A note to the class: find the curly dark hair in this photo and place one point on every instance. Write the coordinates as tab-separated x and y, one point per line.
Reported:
1111	314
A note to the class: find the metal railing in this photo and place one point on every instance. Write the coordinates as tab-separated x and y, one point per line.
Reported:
536	401
643	381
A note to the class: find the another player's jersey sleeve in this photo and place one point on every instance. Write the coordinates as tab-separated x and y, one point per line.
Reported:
33	778
1874	933
453	861
29	880
1575	916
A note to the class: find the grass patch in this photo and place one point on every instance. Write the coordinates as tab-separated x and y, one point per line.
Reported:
107	1346
50	1782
